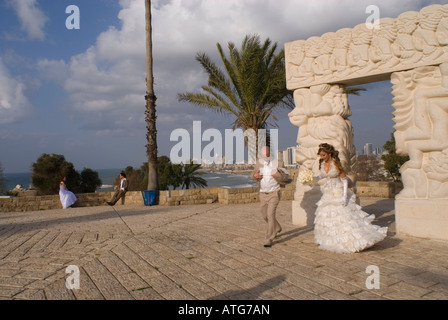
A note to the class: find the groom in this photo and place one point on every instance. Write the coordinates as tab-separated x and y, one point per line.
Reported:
121	191
270	176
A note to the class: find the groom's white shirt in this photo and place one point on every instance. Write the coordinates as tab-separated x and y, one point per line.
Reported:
268	183
121	185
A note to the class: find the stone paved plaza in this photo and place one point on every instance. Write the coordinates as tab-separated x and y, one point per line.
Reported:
205	252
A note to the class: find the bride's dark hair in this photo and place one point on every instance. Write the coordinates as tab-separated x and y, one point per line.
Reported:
334	154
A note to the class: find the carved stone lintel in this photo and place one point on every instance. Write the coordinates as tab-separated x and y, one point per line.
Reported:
362	55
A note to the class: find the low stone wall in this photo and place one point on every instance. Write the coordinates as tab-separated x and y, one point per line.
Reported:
377	189
217	195
190	197
36	203
181	197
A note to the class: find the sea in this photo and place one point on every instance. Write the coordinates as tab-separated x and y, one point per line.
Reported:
108	176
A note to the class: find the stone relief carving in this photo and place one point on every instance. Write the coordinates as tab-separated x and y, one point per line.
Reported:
412	40
321	114
358	54
421	124
381	52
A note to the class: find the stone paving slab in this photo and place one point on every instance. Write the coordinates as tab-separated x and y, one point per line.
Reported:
206	252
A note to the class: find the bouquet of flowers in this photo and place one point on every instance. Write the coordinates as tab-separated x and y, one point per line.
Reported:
306	176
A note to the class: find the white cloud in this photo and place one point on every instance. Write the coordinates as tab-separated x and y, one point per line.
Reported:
106	83
56	70
32	19
14	105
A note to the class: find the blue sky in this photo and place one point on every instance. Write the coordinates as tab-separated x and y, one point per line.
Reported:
80	93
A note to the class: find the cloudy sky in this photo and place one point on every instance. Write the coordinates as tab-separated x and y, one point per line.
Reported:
80	92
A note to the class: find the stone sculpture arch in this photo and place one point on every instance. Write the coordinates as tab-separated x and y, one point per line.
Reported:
410	50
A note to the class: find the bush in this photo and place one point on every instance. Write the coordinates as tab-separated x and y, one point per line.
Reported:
136	179
392	160
90	181
169	175
48	170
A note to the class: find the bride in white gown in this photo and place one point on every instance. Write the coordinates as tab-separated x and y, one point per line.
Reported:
340	224
67	197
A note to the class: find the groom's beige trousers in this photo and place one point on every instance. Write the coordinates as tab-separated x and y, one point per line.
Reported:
269	202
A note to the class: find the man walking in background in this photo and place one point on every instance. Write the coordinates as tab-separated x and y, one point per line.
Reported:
270	176
121	190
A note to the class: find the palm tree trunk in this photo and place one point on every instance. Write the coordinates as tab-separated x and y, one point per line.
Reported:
151	135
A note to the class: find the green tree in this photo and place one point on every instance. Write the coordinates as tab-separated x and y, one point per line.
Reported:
393	161
252	87
354	90
137	178
189	175
90	181
47	172
167	174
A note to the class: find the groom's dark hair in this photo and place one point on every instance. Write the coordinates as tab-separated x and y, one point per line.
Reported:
123	174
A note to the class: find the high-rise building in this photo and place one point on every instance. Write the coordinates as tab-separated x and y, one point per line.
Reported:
368	149
288	156
291	152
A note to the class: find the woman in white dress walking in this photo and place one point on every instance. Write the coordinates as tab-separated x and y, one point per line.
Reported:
67	197
341	225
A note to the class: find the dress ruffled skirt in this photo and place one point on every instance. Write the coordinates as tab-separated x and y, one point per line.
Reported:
67	198
345	229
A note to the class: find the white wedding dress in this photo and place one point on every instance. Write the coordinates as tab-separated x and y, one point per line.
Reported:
339	228
67	197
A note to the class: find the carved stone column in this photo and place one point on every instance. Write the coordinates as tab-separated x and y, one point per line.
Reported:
321	114
421	123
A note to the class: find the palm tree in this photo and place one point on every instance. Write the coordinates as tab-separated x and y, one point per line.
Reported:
189	175
252	87
354	90
151	135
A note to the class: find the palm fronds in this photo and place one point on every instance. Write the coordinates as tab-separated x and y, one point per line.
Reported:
251	86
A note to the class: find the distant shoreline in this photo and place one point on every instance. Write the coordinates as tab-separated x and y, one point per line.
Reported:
108	176
244	172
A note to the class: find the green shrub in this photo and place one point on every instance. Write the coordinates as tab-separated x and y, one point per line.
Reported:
48	170
90	181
